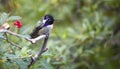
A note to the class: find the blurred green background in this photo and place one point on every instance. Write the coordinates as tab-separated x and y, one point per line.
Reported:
86	34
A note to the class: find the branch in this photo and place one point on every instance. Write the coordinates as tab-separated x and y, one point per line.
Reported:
21	36
41	51
12	43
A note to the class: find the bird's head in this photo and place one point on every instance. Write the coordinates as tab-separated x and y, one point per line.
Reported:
48	20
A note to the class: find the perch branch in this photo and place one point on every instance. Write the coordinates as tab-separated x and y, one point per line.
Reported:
41	51
21	36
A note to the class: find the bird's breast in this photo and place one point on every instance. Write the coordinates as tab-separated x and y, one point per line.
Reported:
50	27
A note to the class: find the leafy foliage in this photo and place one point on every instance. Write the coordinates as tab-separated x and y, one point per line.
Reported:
5	18
85	35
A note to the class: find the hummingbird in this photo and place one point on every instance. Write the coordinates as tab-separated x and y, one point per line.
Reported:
44	28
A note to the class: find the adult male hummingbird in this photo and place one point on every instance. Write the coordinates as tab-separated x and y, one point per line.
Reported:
44	28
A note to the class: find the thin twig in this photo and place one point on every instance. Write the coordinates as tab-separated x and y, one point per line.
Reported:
41	51
21	36
12	43
12	58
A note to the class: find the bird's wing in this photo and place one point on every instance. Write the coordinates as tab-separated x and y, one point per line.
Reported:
39	31
39	23
44	30
34	34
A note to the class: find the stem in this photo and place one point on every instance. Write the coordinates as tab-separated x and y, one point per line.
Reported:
12	43
21	36
41	51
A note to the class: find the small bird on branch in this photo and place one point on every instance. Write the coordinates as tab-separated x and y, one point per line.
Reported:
44	28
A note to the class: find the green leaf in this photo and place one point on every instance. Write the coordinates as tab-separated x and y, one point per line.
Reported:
3	18
42	64
14	18
21	64
45	65
1	36
10	56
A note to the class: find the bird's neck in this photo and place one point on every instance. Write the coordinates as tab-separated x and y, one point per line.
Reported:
47	23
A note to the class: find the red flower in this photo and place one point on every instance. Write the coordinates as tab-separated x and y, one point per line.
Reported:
18	24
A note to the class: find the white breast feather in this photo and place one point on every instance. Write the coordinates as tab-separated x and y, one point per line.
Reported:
50	27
